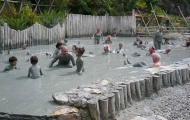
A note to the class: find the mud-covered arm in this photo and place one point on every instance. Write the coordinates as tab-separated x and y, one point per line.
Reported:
72	60
28	73
81	65
41	72
53	61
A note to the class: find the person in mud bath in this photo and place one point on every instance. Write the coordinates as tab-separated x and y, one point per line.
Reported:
165	51
106	49
58	48
156	60
187	44
74	48
158	38
12	64
64	58
35	71
138	39
120	50
151	51
79	61
109	40
97	36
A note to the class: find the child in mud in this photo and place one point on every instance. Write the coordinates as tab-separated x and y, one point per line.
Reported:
58	48
79	61
74	48
97	36
187	44
12	64
24	46
106	49
156	60
138	39
35	71
108	41
140	45
120	50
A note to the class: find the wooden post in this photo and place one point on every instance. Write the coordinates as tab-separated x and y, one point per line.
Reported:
142	87
111	105
156	83
165	79
187	75
172	78
183	16
129	97
138	90
151	82
124	93
169	20
93	107
103	105
117	100
144	22
184	76
122	103
160	75
178	77
148	87
133	91
168	77
154	14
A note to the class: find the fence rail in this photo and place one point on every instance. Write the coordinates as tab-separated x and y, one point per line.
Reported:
75	25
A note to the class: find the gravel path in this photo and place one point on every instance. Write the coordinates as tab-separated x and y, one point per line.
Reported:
172	103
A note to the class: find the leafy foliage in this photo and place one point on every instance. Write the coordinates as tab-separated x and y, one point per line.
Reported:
52	18
21	20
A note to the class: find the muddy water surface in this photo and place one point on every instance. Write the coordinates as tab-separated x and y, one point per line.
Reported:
22	95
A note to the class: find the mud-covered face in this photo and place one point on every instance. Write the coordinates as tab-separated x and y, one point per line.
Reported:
106	49
161	29
98	29
73	48
13	63
64	51
120	46
168	50
60	47
151	50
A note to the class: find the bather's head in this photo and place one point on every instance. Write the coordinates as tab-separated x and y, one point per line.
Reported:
138	39
168	50
106	48
151	50
161	28
34	60
59	45
120	45
109	37
80	51
98	30
64	51
74	47
156	57
13	61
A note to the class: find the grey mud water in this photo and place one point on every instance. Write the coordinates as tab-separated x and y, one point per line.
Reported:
22	95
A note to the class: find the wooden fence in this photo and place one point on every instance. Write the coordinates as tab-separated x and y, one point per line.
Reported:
75	25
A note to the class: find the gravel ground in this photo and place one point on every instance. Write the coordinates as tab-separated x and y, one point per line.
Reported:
172	103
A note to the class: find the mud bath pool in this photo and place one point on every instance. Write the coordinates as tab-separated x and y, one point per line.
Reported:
22	95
